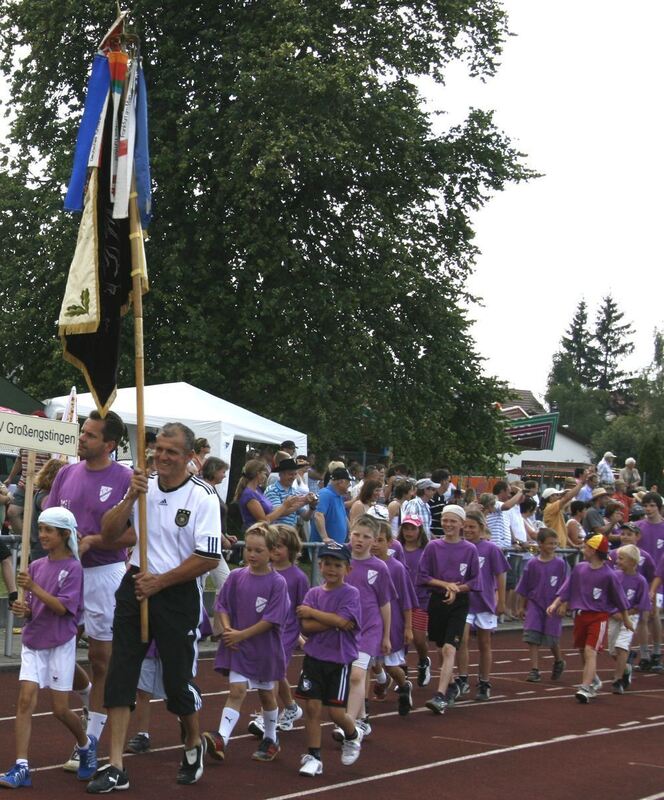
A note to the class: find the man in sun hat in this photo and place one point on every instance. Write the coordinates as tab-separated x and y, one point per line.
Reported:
594	521
605	470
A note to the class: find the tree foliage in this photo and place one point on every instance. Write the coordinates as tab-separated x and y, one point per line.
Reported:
311	235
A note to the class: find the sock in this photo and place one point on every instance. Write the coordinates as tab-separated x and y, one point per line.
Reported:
382	678
22	762
85	747
315	752
366	707
644	651
353	735
84	694
96	724
657	649
228	721
270	720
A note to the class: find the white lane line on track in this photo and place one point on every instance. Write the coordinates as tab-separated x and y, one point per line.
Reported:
629	724
653	796
461	759
646	764
509	661
530	692
599	730
657	716
556	688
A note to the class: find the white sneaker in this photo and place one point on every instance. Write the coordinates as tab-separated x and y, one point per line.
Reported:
337	734
256	725
288	717
73	763
596	684
364	725
350	749
311	766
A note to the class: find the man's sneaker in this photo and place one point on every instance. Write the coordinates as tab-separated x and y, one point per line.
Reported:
451	694
310	765
596	684
584	694
71	765
87	760
656	663
464	686
108	779
627	676
214	745
364	725
337	734
350	749
288	717
558	669
405	701
645	664
381	689
424	672
257	726
267	750
138	744
483	691
16	776
191	766
618	687
534	676
437	704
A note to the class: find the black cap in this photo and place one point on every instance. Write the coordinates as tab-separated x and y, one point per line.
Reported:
334	550
340	474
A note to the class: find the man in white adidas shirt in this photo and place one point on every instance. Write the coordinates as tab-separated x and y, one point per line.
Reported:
183	543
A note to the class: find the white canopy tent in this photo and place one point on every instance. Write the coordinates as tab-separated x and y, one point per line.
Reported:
219	421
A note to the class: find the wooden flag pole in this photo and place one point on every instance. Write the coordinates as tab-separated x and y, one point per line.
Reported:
138	275
27	516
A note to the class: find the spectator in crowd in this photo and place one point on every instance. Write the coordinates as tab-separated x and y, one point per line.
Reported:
279	456
552	505
605	470
201	452
595	521
589	485
367	499
620	496
254	507
496	512
283	489
441	497
214	473
576	535
314	475
404	490
20	471
330	521
629	474
419	505
289	447
371	473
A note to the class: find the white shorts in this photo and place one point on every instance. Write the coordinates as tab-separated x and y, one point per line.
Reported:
52	668
619	637
99	587
235	677
363	661
395	659
484	620
151	678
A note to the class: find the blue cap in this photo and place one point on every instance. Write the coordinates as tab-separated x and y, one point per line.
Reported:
334	550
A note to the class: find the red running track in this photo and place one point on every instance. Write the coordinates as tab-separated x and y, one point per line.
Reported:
530	738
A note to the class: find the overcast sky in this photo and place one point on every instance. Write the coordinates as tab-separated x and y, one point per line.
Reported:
580	91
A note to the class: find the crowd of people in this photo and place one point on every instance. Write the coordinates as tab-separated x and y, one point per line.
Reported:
404	563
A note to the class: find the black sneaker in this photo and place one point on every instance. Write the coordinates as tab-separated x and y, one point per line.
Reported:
645	664
138	744
627	676
437	704
558	669
191	767
618	687
464	686
483	691
656	663
424	672
534	676
405	701
453	691
108	779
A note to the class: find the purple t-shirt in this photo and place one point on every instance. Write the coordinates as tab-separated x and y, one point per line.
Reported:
412	561
248	599
298	586
635	589
371	578
454	562
405	599
64	580
89	494
540	583
395	550
492	564
652	538
333	644
589	589
248	495
646	564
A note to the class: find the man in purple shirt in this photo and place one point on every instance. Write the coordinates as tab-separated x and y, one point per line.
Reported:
89	489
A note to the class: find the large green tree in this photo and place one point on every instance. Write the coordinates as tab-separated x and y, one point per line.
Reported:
311	235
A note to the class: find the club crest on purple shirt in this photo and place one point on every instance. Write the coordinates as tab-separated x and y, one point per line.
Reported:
482	560
597	593
62	575
371	576
104	493
182	517
261	602
462	569
641	560
553	580
660	544
630	594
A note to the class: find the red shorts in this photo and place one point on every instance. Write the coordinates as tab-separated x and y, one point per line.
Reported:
420	620
590	629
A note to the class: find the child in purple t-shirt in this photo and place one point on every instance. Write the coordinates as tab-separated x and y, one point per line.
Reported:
401	626
541	581
635	587
594	591
483	609
250	612
53	588
371	578
414	539
331	618
450	568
